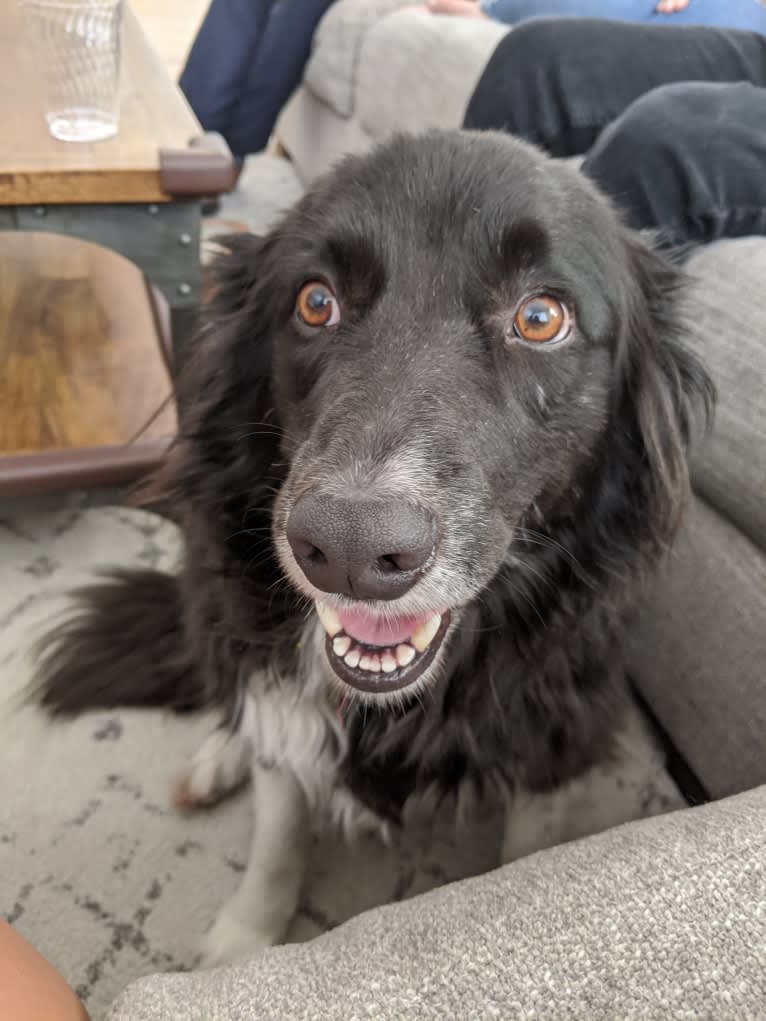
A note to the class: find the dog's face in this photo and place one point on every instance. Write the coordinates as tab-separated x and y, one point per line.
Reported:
446	320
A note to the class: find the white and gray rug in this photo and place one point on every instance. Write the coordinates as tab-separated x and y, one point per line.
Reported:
95	868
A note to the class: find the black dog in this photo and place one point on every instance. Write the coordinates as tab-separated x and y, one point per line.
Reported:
444	405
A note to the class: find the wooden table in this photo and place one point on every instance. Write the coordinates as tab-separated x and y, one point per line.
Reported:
138	193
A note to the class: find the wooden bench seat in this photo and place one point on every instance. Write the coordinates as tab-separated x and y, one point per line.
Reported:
85	388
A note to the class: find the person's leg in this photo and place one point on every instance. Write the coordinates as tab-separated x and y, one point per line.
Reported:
558	82
224	48
689	161
276	72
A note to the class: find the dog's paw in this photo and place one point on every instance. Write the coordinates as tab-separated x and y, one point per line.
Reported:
231	940
219	767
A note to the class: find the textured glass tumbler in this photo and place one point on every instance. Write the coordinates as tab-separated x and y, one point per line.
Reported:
77	47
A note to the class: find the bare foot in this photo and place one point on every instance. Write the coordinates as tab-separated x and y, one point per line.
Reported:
670	6
456	8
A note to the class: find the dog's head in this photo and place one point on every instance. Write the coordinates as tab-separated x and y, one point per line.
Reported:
449	354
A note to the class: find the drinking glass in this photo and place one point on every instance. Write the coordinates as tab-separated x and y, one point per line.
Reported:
76	45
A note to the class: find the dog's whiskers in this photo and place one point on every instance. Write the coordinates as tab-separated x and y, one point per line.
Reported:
262	428
535	538
538	573
257	530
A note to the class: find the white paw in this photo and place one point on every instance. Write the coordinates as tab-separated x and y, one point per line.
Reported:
230	940
219	767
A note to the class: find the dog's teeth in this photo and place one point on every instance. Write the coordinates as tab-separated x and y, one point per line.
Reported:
330	619
387	663
341	645
426	633
404	655
352	658
370	663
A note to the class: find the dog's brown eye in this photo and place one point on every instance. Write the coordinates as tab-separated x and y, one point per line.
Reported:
316	305
542	320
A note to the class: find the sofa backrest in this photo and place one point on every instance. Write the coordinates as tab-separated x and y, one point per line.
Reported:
698	645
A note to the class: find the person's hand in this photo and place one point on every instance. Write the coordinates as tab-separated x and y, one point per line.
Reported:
31	989
670	6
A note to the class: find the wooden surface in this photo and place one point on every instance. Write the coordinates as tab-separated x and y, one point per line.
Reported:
37	169
170	26
80	360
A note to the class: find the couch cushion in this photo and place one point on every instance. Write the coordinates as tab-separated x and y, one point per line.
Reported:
659	919
331	71
417	71
398	71
728	328
697	650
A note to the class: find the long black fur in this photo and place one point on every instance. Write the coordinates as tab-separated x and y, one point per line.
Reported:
143	633
533	689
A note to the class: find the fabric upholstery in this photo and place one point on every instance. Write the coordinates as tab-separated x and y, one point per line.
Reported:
375	70
697	652
409	59
727	313
651	921
331	72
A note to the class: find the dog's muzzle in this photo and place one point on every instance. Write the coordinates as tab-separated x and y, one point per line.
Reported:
369	549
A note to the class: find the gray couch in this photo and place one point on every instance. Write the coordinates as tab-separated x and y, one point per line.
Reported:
654	920
376	69
664	918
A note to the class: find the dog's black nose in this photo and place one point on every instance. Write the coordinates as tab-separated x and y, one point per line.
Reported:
366	549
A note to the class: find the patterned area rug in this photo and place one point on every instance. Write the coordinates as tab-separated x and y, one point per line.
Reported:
95	868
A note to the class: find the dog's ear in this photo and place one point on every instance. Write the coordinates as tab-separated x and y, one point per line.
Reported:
662	393
227	446
233	274
219	479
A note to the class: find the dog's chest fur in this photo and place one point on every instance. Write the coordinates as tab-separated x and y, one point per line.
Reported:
484	724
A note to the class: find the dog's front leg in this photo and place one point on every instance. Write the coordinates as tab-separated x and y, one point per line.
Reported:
533	822
587	805
631	785
260	911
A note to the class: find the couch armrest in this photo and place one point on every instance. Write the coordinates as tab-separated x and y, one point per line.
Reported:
418	71
331	71
398	70
658	919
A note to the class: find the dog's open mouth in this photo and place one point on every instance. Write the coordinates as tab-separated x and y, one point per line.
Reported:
373	654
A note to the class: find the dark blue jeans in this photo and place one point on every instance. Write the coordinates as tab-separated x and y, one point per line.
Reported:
247	58
672	119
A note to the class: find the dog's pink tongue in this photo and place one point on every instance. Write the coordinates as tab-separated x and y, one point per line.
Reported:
373	630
